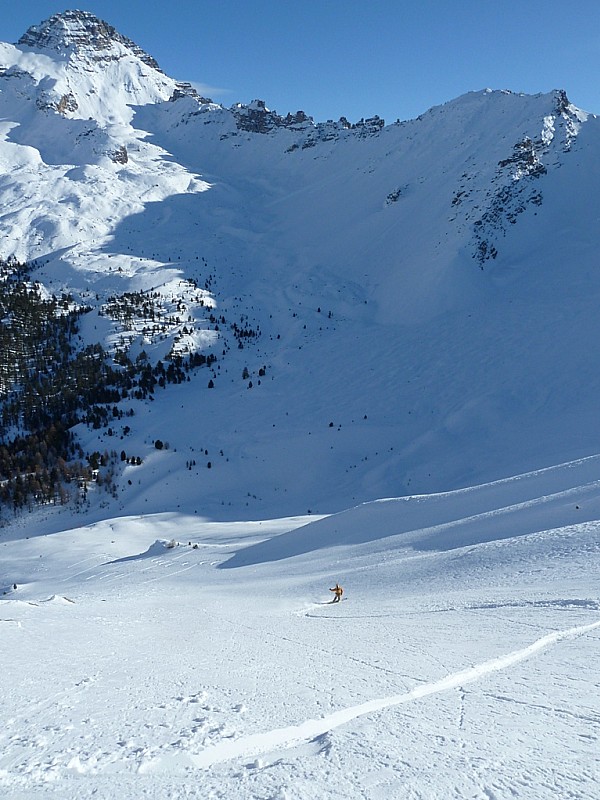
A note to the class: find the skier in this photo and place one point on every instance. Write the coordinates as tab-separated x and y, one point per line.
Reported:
338	591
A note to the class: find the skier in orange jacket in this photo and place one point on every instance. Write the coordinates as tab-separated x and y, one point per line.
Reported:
337	589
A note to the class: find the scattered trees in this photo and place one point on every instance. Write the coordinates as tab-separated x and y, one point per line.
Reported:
49	383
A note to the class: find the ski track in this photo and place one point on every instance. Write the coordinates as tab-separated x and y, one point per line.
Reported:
114	576
274	741
72	575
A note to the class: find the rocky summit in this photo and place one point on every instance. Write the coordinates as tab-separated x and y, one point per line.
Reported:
77	31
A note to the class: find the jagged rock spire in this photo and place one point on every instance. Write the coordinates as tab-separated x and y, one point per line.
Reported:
79	30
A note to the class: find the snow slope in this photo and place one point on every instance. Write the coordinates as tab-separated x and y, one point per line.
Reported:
423	299
158	656
424	293
435	373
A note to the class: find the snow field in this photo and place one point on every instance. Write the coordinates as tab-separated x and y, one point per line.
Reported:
166	670
179	642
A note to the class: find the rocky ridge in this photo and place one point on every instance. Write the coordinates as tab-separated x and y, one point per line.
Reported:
76	31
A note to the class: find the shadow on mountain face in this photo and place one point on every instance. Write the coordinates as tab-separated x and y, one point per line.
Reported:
193	233
163	232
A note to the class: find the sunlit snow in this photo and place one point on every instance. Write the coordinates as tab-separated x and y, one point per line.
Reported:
413	412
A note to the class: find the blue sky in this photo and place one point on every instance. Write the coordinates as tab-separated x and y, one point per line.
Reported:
343	57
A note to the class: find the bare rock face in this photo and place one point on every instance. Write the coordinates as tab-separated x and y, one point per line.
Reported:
257	118
120	155
80	31
67	103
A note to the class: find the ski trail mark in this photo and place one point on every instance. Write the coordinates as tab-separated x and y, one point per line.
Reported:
286	738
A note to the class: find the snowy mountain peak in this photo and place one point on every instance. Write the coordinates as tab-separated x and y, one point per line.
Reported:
81	67
80	31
